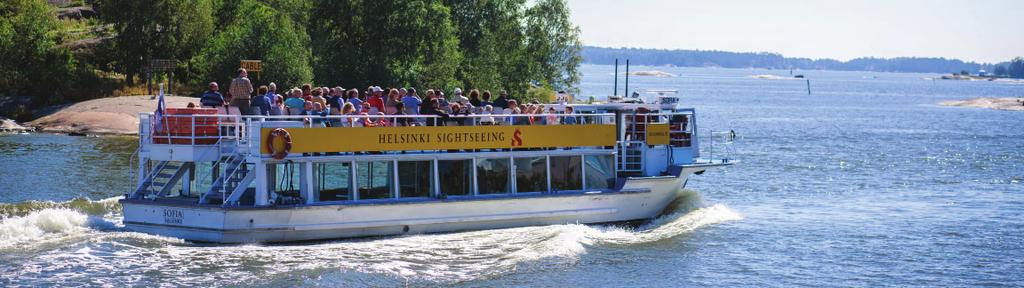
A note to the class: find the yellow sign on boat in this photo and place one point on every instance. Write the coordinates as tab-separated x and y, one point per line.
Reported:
657	134
363	139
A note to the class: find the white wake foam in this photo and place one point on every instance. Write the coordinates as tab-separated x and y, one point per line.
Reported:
432	258
35	225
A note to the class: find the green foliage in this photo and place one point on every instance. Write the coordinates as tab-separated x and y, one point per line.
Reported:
155	29
486	44
254	31
31	60
541	94
390	43
553	44
493	43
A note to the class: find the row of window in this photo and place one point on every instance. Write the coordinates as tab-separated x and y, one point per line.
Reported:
447	178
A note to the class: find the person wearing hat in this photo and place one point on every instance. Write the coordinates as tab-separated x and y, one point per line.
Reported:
376	101
412	102
459	98
502	101
443	101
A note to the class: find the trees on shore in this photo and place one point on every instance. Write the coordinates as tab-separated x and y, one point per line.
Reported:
1016	68
486	44
32	61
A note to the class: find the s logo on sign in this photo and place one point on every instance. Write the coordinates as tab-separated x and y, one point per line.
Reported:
516	140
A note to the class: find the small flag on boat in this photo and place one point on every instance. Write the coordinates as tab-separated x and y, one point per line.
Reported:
159	114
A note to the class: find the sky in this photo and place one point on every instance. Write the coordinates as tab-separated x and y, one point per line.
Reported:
971	30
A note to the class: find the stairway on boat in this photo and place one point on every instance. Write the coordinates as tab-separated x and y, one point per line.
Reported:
161	179
232	184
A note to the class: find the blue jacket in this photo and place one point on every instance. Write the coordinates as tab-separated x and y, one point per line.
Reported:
262	101
212	98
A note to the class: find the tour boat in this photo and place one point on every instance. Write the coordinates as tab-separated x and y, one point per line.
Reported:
207	177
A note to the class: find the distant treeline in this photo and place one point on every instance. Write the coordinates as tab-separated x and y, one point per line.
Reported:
698	58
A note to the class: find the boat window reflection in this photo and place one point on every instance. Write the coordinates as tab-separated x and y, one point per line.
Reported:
493	176
375	179
455	176
600	171
286	178
415	178
566	173
531	174
333	181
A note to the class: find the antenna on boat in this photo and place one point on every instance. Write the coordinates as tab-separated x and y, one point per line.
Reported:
615	90
627	79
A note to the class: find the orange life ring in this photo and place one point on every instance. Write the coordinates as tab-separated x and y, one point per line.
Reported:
279	132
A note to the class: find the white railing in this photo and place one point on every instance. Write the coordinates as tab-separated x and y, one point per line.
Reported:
719	142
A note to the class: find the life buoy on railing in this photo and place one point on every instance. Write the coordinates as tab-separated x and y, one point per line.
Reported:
279	132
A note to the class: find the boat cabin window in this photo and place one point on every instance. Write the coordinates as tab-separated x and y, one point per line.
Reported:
493	176
531	174
375	179
456	177
415	179
333	181
600	171
287	178
566	173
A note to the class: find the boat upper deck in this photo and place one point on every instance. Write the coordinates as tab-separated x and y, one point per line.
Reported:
330	158
194	134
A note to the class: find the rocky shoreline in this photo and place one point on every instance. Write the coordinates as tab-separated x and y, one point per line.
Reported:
10	126
104	116
1010	104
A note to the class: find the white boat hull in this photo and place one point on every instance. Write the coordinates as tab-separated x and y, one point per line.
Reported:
639	199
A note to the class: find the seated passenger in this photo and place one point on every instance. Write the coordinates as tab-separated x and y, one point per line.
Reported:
277	107
569	119
353	97
434	110
376	102
487	99
539	119
392	99
348	110
400	111
454	109
367	109
318	114
212	98
317	96
382	121
489	119
520	118
552	117
335	100
295	104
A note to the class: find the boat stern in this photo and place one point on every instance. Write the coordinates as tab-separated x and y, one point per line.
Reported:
194	223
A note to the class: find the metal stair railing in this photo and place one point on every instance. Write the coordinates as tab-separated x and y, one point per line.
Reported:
630	156
151	177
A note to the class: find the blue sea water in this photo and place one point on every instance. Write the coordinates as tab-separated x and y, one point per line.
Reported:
864	182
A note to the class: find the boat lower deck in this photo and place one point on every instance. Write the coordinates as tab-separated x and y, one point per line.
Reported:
639	199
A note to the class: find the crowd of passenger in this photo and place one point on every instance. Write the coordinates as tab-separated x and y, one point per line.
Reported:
382	106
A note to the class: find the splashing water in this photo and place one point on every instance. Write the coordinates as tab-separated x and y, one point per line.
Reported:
83	205
35	225
81	248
